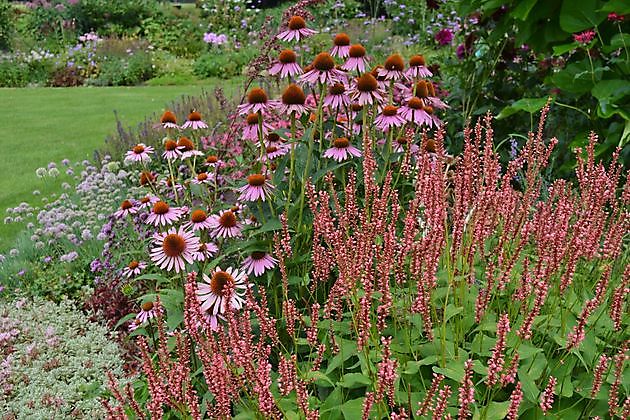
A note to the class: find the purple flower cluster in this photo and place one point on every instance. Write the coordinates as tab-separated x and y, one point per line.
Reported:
215	39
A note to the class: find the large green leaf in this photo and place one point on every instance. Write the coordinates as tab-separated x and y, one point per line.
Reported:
354	380
521	11
353	409
611	89
530	105
495	411
579	15
621	7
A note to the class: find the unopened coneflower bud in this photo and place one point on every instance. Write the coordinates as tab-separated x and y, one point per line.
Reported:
293	95
421	89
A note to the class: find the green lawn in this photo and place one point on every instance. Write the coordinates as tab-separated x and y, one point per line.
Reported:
40	125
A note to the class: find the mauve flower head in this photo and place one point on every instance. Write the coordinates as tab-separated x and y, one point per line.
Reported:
444	37
584	37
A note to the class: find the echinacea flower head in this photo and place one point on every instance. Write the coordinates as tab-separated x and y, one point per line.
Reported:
126	208
162	214
168	120
222	288
286	66
366	90
187	148
147	201
203	178
174	248
225	225
293	99
272	152
337	97
341	46
140	153
212	161
257	102
323	71
148	311
250	132
257	188
393	68
357	61
389	118
414	112
296	30
134	268
258	262
401	144
199	220
342	150
194	121
417	68
146	177
170	150
205	251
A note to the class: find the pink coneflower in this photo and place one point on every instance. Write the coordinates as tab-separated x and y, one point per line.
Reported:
273	139
198	221
342	150
147	177
393	69
212	292
366	91
175	247
272	152
170	150
194	121
126	208
584	37
134	325
134	268
337	97
286	66
293	100
203	178
257	188
140	153
417	68
225	225
341	47
426	91
163	214
357	61
389	118
258	262
187	148
250	132
414	112
168	120
148	311
205	251
147	202
213	161
323	71
297	30
400	144
257	101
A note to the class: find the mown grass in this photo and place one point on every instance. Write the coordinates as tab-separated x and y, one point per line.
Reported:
40	125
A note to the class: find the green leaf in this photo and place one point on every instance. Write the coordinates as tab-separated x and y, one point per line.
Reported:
521	11
353	409
413	366
564	48
579	15
530	390
354	380
621	7
320	378
348	349
123	320
495	411
530	105
453	370
612	90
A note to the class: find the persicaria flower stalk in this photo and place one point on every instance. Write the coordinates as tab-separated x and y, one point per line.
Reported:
495	364
547	396
598	374
515	402
466	391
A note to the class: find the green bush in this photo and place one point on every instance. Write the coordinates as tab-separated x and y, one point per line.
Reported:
222	65
130	71
176	33
55	361
7	25
13	75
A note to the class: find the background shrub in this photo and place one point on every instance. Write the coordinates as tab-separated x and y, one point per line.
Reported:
7	25
224	66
